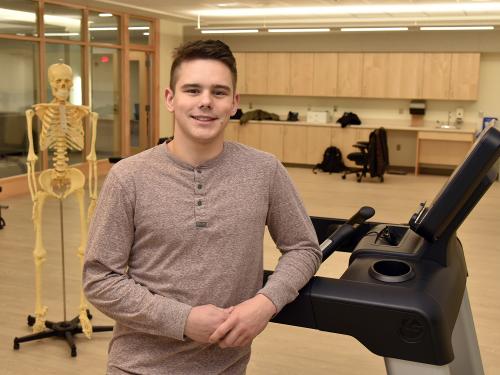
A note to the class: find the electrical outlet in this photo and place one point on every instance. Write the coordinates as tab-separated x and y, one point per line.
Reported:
459	112
250	105
335	108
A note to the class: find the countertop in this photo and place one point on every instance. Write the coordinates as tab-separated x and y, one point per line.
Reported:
373	124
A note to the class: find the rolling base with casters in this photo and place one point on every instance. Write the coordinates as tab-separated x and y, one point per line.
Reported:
63	329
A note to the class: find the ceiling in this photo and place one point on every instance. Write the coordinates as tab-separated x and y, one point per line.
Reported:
326	13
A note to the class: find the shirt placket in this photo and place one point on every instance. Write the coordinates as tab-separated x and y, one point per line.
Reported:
200	201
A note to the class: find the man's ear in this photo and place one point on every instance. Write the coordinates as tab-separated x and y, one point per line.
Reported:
236	104
169	99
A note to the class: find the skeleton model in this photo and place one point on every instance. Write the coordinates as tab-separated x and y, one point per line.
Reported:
62	130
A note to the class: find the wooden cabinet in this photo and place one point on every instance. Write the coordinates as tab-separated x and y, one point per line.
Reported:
240	58
295	144
249	134
350	74
231	132
301	74
318	139
374	75
271	139
404	75
437	70
325	66
278	73
464	80
445	76
256	78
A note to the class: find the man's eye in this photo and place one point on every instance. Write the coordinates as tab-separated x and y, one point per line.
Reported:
220	93
192	91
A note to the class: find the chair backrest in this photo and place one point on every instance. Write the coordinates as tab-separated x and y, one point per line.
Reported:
378	153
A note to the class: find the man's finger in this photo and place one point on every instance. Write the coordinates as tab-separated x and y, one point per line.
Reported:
222	330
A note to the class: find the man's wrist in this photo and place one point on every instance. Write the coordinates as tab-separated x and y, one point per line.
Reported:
267	304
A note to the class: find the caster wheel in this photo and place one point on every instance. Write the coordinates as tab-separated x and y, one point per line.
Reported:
343	177
16	344
73	352
89	315
31	320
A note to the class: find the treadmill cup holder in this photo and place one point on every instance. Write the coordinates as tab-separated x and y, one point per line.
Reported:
391	271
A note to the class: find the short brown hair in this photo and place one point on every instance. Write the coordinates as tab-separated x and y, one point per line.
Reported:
205	50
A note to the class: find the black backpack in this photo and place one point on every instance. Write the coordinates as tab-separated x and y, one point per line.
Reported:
332	161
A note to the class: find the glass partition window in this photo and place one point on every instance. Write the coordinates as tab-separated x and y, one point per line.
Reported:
104	28
105	96
140	31
62	23
18	92
18	17
71	55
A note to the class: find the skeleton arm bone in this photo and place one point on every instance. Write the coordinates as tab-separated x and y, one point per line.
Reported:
92	159
32	158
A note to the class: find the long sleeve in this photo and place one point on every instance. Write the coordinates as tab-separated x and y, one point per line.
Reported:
294	235
106	282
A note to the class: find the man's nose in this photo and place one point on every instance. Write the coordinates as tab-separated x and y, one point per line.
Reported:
206	99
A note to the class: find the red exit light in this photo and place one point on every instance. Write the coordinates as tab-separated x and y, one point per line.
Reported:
104	59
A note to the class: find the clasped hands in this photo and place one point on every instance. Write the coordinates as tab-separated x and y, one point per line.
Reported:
234	326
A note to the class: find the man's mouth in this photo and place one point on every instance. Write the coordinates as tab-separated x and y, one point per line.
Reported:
204	118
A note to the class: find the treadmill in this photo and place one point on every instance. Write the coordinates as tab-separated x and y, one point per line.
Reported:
404	294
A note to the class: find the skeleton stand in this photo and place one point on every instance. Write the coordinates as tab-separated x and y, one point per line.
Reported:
65	329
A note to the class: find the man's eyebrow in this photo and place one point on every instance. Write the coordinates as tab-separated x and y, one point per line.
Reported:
190	86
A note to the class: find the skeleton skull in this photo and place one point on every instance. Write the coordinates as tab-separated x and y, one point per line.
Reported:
61	80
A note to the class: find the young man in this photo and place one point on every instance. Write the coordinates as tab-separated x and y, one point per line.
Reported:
175	246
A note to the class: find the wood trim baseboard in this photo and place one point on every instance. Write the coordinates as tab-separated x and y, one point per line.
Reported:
18	185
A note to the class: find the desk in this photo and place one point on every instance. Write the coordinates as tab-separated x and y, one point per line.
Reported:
441	148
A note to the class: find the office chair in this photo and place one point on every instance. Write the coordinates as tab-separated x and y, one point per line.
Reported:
372	157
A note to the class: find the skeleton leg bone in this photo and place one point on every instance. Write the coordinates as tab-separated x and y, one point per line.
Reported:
84	319
39	255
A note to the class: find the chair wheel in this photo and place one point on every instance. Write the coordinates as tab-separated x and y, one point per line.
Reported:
381	178
31	320
16	344
343	177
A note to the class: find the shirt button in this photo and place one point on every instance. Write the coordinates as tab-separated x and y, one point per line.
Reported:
200	186
199	203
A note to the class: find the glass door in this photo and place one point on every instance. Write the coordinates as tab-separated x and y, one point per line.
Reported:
139	101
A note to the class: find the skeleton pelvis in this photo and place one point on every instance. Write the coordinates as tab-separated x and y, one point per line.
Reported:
61	187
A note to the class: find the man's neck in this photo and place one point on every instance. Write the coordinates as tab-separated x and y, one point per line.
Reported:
194	153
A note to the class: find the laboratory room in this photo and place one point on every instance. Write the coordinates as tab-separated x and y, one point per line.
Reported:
360	141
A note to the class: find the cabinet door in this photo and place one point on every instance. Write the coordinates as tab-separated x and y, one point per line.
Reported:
241	68
301	73
249	134
325	74
231	131
350	74
256	73
464	80
295	144
318	139
278	72
374	75
271	139
437	70
404	75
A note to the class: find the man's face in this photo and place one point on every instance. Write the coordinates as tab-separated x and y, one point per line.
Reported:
204	100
